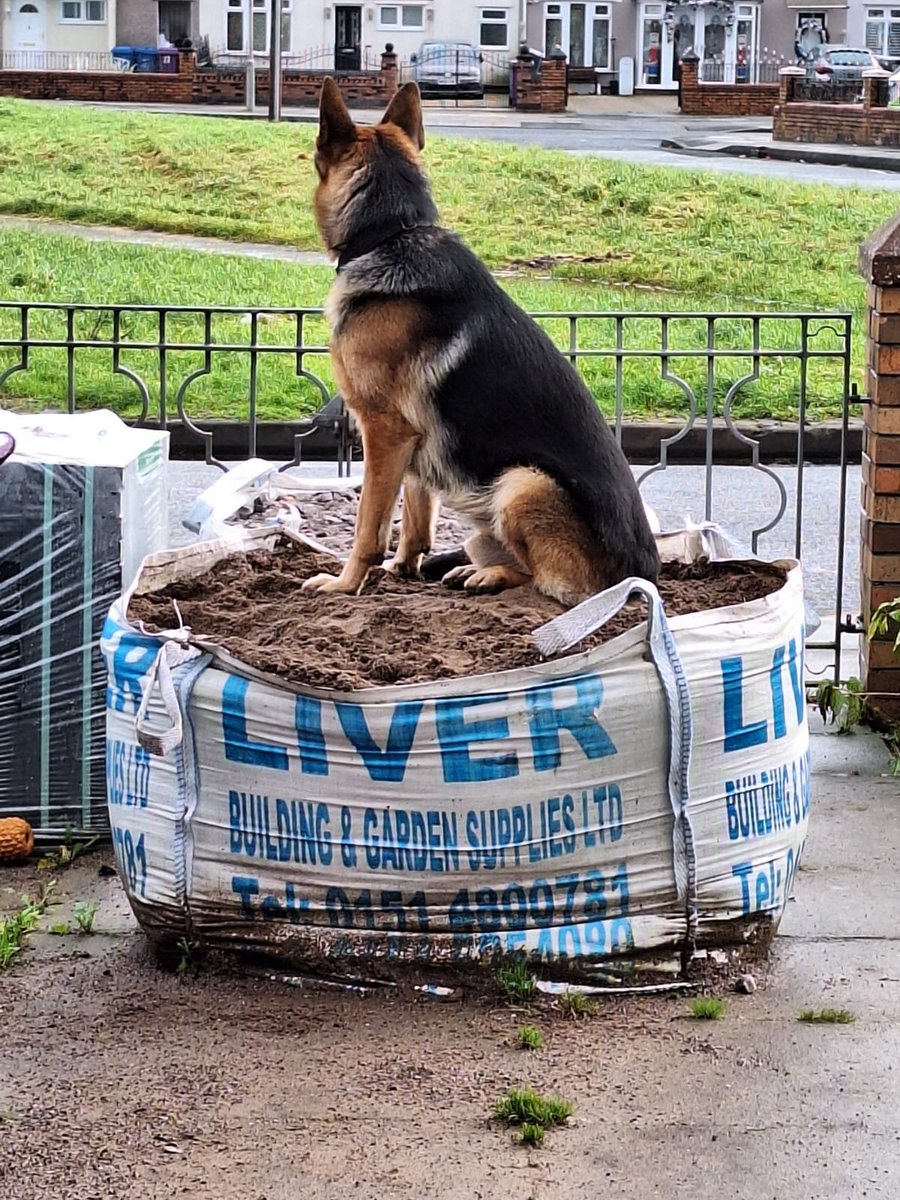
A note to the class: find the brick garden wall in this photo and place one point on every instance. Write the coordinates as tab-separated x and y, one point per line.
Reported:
723	99
194	86
849	124
103	87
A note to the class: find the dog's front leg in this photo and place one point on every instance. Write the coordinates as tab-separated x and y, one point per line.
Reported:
388	445
417	528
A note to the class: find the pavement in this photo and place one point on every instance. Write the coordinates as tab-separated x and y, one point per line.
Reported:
118	1080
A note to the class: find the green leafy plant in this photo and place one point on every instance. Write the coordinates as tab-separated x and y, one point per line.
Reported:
826	1016
707	1008
575	1005
65	854
531	1135
190	955
530	1037
60	929
15	927
516	980
841	704
524	1106
84	912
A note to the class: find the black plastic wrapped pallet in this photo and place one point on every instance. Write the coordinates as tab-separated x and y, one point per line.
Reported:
60	568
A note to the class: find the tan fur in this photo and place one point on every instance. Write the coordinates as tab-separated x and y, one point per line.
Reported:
535	520
527	529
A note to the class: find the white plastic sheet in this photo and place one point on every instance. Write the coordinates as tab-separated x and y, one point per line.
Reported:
651	795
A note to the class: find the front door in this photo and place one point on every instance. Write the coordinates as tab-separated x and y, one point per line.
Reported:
348	37
28	20
175	19
582	31
663	38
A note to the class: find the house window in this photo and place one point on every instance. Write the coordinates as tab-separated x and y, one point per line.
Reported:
494	28
601	42
236	37
883	31
84	12
401	16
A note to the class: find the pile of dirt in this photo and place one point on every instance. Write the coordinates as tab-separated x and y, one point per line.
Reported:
399	631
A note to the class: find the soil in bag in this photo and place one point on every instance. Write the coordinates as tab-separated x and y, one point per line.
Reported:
400	631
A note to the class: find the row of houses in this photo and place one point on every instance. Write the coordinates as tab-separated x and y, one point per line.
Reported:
737	40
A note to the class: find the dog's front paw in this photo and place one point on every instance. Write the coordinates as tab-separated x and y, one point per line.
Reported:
323	584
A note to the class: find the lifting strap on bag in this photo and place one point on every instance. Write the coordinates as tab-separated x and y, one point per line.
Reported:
566	630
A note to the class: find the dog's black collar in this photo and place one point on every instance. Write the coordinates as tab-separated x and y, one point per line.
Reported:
369	239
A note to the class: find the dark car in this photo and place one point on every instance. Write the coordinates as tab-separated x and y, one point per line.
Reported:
841	64
448	69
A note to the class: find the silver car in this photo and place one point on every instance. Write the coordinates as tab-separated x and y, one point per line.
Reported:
448	69
841	64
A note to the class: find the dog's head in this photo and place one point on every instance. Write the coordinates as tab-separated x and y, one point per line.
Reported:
349	156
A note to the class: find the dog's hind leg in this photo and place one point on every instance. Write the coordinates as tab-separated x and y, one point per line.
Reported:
492	567
543	541
417	527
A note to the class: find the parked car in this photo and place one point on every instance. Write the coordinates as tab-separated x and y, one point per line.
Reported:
841	64
448	69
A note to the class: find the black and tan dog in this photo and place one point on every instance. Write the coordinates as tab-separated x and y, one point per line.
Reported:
458	394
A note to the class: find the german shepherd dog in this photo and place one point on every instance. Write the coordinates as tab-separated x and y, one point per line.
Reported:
457	393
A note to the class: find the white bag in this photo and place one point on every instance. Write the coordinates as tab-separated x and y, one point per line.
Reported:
650	795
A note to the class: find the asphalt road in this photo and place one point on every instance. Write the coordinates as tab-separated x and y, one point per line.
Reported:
637	140
741	502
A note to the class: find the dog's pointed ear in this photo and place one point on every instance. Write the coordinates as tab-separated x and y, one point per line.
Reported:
336	128
405	111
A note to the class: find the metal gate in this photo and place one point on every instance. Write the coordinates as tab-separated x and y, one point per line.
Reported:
231	383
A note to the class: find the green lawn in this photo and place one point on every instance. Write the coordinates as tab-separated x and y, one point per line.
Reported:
654	240
52	267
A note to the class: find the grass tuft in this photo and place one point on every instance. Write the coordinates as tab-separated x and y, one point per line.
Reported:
530	1037
524	1106
826	1016
707	1008
516	980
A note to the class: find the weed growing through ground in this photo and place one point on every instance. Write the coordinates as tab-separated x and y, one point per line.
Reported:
707	1008
15	927
190	951
574	1004
517	980
531	1135
826	1016
530	1038
84	912
60	929
64	855
524	1106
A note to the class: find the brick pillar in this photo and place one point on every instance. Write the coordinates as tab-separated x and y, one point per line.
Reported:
879	262
528	81
555	82
875	87
390	70
786	78
689	82
187	62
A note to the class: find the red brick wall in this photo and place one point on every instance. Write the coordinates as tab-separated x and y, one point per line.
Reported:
851	124
122	87
724	99
367	88
546	93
